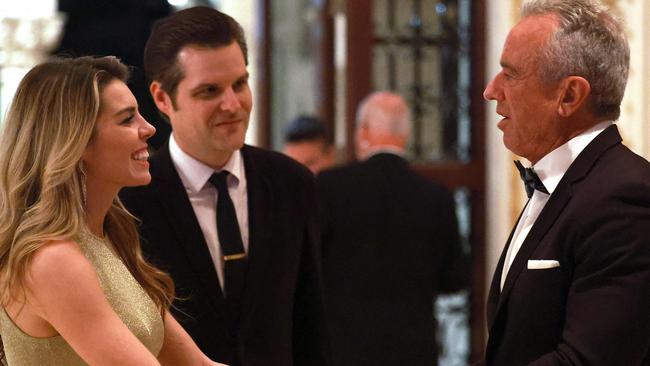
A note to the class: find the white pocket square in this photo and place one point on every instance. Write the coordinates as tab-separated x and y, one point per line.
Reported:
542	264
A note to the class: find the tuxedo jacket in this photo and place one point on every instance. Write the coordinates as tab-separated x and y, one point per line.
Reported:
282	313
390	244
594	308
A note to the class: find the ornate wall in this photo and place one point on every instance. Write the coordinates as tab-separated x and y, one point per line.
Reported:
28	30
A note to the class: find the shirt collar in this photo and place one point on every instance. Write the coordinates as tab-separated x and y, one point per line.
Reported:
386	149
551	168
194	173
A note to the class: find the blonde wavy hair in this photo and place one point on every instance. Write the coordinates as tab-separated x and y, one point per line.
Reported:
46	130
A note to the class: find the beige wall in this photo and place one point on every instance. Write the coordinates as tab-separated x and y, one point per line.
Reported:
504	196
246	14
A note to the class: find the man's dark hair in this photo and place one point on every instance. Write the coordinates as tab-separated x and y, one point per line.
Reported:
306	128
199	26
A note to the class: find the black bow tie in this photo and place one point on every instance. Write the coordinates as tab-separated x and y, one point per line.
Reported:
531	180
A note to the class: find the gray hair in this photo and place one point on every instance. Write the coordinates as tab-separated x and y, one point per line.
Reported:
589	42
385	112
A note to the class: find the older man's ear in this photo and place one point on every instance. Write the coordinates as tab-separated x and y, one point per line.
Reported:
575	93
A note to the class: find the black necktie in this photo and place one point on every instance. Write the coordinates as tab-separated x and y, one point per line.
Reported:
232	247
530	178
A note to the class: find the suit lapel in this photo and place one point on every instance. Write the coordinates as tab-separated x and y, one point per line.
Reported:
545	220
552	210
171	193
260	198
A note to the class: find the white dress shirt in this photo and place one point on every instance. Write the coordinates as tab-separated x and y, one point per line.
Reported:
550	170
203	197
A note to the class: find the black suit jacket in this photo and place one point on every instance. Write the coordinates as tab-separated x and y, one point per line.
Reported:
282	314
390	244
595	308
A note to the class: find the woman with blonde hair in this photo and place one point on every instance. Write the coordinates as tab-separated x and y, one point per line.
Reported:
74	287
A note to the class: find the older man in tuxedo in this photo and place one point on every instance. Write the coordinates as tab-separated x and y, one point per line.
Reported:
390	245
572	286
231	223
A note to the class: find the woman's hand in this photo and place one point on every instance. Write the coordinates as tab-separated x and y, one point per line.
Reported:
179	348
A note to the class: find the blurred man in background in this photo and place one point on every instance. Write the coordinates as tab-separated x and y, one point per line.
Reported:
390	245
308	143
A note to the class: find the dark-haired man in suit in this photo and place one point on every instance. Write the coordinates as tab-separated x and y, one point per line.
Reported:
572	286
307	142
390	245
231	223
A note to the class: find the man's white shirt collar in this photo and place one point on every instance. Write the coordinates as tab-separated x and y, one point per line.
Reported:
387	149
551	168
194	173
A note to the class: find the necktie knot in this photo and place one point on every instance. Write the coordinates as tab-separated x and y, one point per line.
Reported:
219	180
530	179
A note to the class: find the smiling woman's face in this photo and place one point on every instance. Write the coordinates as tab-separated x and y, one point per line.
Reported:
116	155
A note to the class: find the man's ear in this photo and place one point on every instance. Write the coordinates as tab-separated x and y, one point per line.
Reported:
161	98
575	92
362	133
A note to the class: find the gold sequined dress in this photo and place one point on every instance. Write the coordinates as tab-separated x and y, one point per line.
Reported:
124	293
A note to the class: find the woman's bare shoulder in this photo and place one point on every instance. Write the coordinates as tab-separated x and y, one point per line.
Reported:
57	265
58	278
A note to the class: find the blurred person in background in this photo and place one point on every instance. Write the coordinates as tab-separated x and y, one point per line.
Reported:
308	143
390	244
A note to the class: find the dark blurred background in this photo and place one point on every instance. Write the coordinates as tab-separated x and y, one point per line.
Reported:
119	28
